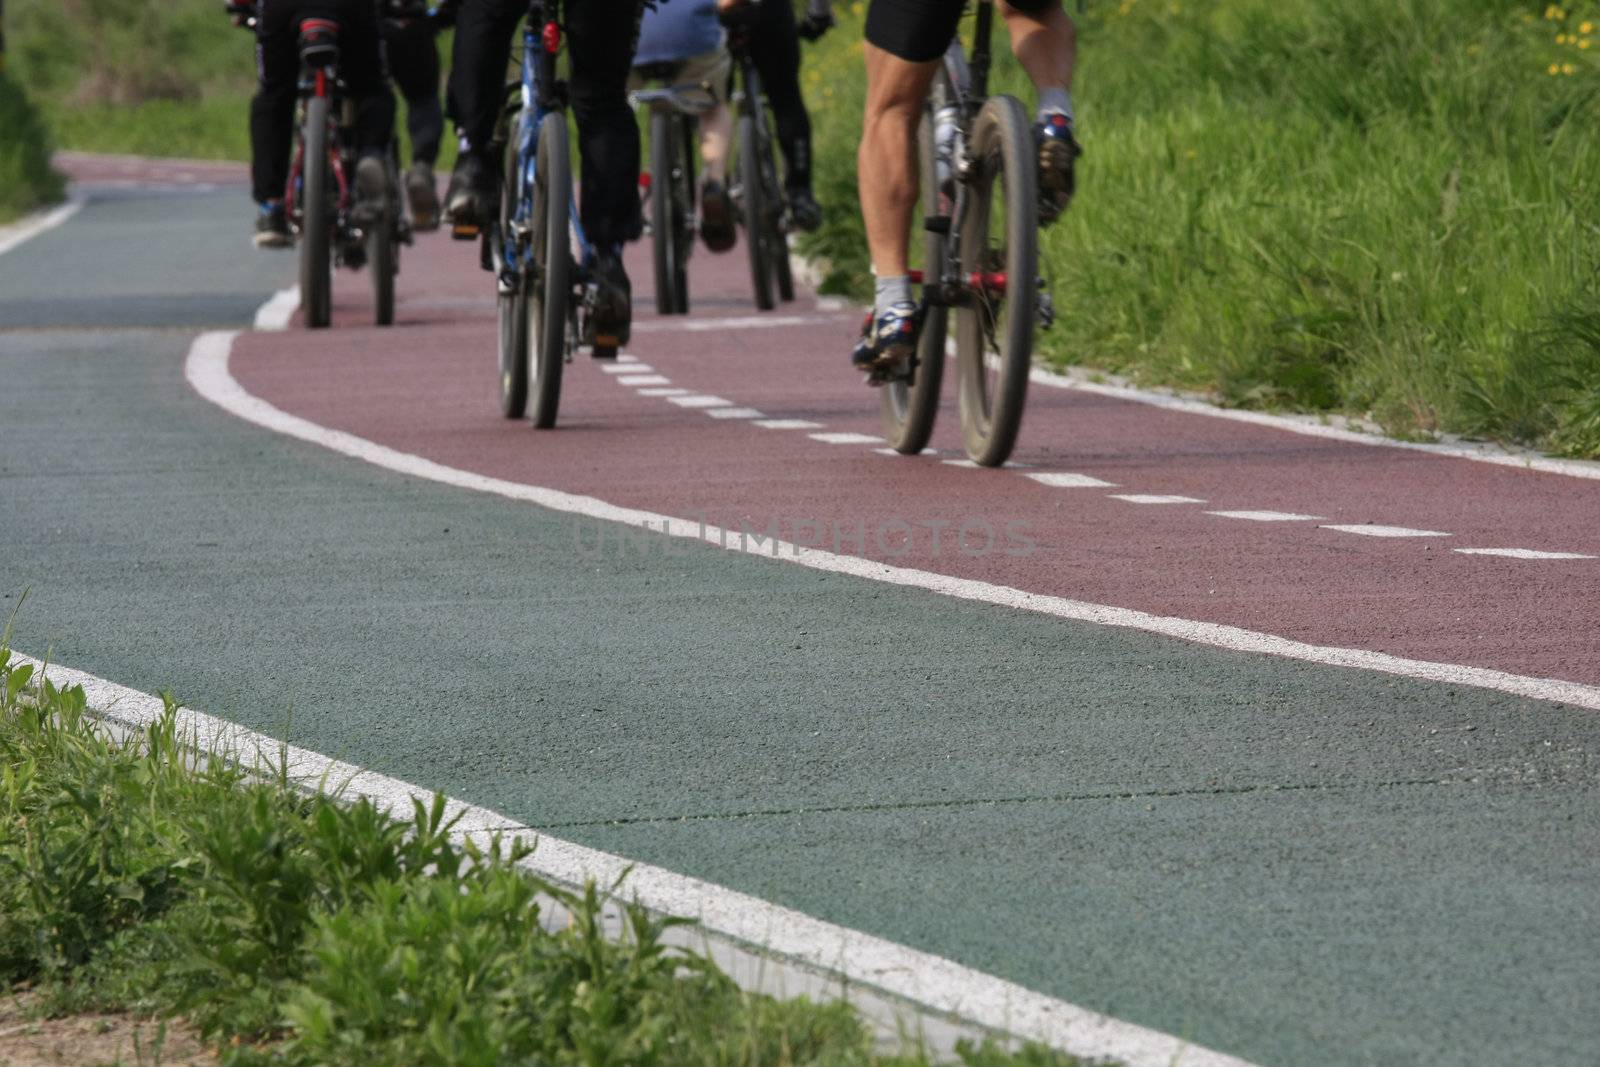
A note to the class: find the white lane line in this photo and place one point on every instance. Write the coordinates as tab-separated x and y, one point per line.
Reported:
789	424
845	438
972	465
630	367
623	357
206	369
23	230
746	322
642	379
744	926
734	413
1521	553
1370	530
1266	516
1310	426
1064	480
699	401
664	392
1154	498
275	314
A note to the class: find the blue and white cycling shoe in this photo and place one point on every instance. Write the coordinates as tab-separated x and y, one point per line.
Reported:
887	342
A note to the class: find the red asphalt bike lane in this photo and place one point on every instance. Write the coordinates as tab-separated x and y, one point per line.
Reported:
428	386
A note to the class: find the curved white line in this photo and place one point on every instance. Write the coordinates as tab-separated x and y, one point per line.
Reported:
27	229
207	371
1311	426
752	932
902	973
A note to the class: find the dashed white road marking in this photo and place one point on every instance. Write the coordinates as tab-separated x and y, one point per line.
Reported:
789	424
699	400
845	438
1521	553
1065	480
1371	530
206	369
664	392
734	413
630	367
1266	516
643	379
1154	498
973	465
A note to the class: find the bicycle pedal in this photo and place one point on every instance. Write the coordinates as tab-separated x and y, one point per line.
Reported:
606	340
464	231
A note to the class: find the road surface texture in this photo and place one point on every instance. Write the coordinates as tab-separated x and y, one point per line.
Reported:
1276	857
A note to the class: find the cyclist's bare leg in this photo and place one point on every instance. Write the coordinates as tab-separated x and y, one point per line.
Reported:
716	133
886	168
1045	43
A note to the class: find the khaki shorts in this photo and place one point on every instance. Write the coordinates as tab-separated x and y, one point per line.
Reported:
709	69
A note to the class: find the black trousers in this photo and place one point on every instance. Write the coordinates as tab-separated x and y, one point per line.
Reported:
278	66
600	39
775	47
414	65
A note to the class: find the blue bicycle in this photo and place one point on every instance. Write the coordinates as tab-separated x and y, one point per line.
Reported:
542	288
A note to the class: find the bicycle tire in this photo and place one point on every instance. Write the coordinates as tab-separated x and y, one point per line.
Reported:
316	227
991	413
383	264
683	216
909	409
777	239
663	217
754	213
552	254
511	302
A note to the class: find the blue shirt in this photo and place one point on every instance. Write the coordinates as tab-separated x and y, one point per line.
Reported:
677	29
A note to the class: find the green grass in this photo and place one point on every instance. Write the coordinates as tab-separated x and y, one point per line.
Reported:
26	180
295	928
1381	207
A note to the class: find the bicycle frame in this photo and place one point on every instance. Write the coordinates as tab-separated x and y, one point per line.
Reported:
319	81
539	94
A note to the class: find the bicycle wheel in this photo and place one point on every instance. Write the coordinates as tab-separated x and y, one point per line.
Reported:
551	287
910	407
777	239
663	239
511	302
999	235
753	210
383	264
683	211
316	226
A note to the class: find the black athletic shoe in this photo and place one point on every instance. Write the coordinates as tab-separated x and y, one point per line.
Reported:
716	216
805	211
471	193
611	310
423	193
272	226
1058	152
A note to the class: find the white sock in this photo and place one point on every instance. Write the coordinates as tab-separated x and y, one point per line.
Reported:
890	291
1054	102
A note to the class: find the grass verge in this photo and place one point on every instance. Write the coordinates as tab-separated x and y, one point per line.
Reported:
26	181
292	928
1382	207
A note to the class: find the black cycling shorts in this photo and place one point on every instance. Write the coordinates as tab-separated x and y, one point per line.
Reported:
920	30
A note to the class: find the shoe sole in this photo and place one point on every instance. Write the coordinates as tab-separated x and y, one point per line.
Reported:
275	240
424	205
716	223
1055	170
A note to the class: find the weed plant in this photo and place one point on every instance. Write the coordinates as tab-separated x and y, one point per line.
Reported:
294	928
26	180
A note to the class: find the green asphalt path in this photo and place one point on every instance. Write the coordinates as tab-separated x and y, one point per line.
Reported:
1295	864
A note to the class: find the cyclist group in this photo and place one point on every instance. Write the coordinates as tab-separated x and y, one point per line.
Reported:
606	41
